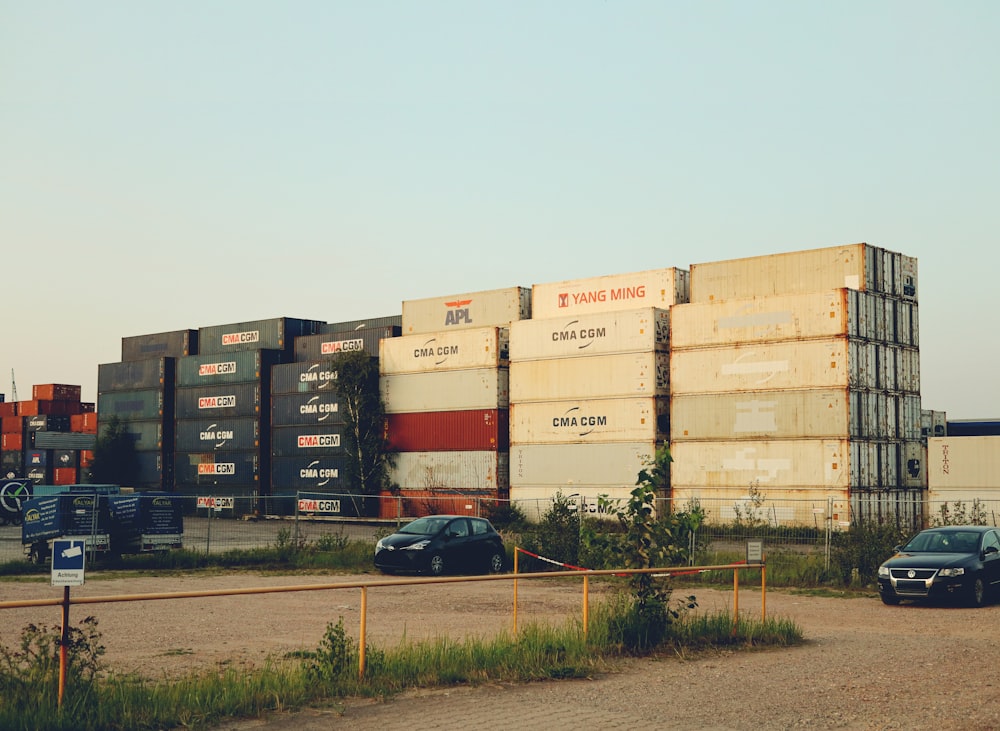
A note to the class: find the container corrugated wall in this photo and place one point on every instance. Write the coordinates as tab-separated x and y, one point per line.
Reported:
217	435
225	400
305	377
327	473
629	331
244	366
299	409
445	351
854	266
622	375
457	471
490	308
301	441
277	333
174	344
442	431
577	467
964	463
328	344
135	374
386	321
659	288
478	388
593	420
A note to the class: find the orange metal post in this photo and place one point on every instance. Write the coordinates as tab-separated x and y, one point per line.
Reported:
586	603
515	590
362	641
63	644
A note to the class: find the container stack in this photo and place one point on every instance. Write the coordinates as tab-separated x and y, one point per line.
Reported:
445	386
589	385
307	416
41	438
139	391
222	398
796	376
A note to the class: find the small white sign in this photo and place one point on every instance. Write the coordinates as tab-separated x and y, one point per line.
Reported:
755	552
68	559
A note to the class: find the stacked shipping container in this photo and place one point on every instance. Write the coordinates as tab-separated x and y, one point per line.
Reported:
445	386
786	382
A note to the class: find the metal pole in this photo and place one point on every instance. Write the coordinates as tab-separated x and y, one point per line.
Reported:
736	598
363	641
586	603
63	644
208	532
515	590
763	588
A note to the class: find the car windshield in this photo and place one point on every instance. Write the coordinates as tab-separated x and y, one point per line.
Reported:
425	526
943	542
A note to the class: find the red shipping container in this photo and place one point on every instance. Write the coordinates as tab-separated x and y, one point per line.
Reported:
12	425
447	431
44	407
8	408
12	442
83	423
55	392
86	457
64	476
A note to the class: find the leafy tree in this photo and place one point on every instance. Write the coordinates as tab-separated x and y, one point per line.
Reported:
115	461
364	416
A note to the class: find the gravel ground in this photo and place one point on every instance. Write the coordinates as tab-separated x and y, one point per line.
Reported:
863	665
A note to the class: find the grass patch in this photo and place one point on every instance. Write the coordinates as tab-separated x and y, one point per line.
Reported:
96	699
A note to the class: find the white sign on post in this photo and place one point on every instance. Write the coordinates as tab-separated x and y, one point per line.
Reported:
68	558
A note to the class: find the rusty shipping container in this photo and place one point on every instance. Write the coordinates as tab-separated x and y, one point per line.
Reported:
217	435
446	350
55	392
598	376
477	388
38	407
856	266
442	431
487	471
174	344
329	344
305	377
589	421
659	288
242	366
299	409
789	414
229	399
135	375
490	308
628	331
277	333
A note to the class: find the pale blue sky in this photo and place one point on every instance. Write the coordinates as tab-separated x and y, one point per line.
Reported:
170	165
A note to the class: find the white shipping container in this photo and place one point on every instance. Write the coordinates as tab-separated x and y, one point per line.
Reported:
492	308
475	388
829	363
813	507
855	266
534	502
659	288
447	350
792	414
640	330
796	463
451	471
588	421
962	463
598	376
572	468
824	314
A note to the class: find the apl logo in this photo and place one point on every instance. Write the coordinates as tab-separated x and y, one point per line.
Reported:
458	314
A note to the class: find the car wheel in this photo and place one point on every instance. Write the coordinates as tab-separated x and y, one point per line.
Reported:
496	562
977	592
890	599
436	564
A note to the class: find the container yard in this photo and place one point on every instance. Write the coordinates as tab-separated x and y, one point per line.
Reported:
793	375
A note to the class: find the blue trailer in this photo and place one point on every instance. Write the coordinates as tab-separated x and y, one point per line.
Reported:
145	522
67	515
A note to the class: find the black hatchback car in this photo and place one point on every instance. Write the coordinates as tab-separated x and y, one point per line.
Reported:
960	562
440	544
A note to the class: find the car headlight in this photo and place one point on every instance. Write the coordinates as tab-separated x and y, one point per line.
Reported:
418	546
378	545
883	570
951	572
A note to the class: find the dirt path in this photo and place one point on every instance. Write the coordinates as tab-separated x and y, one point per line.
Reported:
864	665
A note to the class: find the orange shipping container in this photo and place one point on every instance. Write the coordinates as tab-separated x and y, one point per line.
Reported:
64	476
85	423
11	442
8	408
55	392
12	425
86	457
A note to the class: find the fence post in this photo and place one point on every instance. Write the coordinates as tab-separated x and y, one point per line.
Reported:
296	521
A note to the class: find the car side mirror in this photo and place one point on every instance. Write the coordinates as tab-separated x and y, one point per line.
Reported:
991	549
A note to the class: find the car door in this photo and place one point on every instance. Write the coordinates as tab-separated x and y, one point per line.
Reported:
991	561
457	544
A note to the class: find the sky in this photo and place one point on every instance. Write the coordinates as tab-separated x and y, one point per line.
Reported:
176	165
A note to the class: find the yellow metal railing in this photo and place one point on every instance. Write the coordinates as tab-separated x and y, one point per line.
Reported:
515	577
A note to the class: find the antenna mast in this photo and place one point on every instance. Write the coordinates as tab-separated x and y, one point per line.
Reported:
13	386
